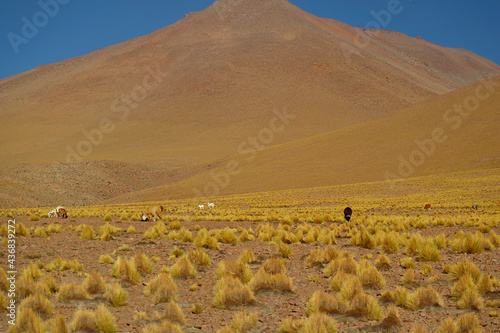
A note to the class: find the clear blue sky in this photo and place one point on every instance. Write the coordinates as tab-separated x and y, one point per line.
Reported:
79	27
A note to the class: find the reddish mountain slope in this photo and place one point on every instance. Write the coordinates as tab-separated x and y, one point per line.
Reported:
193	92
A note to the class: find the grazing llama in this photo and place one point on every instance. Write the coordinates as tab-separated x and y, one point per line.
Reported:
347	214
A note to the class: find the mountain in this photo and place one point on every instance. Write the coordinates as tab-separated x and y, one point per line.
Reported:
455	132
183	99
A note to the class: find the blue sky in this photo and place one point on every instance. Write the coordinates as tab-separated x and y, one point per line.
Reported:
77	27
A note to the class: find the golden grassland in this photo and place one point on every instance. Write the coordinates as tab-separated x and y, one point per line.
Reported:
394	258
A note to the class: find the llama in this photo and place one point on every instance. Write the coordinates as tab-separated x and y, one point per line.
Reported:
347	214
211	205
201	206
52	213
61	212
427	206
153	211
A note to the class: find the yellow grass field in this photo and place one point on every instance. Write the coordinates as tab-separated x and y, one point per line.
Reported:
282	261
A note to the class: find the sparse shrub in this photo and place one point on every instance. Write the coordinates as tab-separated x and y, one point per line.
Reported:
39	232
428	251
471	300
284	250
425	296
70	291
199	257
84	320
162	288
243	321
126	271
166	326
247	256
183	268
94	283
235	269
197	308
87	232
142	263
173	313
230	291
447	326
105	321
408	278
468	322
106	259
28	321
115	295
38	303
383	263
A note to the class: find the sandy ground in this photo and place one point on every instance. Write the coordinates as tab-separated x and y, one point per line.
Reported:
272	307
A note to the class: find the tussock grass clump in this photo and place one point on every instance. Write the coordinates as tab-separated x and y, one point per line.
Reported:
347	265
84	320
21	230
39	304
87	232
106	259
94	283
197	308
390	242
70	291
34	217
40	232
274	266
465	266
425	296
105	321
471	300
173	313
315	258
162	288
230	291
383	263
468	322
244	321
116	295
26	287
151	233
247	256
235	269
428	251
183	268
131	230
409	277
370	277
266	281
204	239
363	239
284	250
166	326
28	321
470	243
31	272
56	325
227	236
317	322
324	302
142	263
447	326
125	270
108	217
199	257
